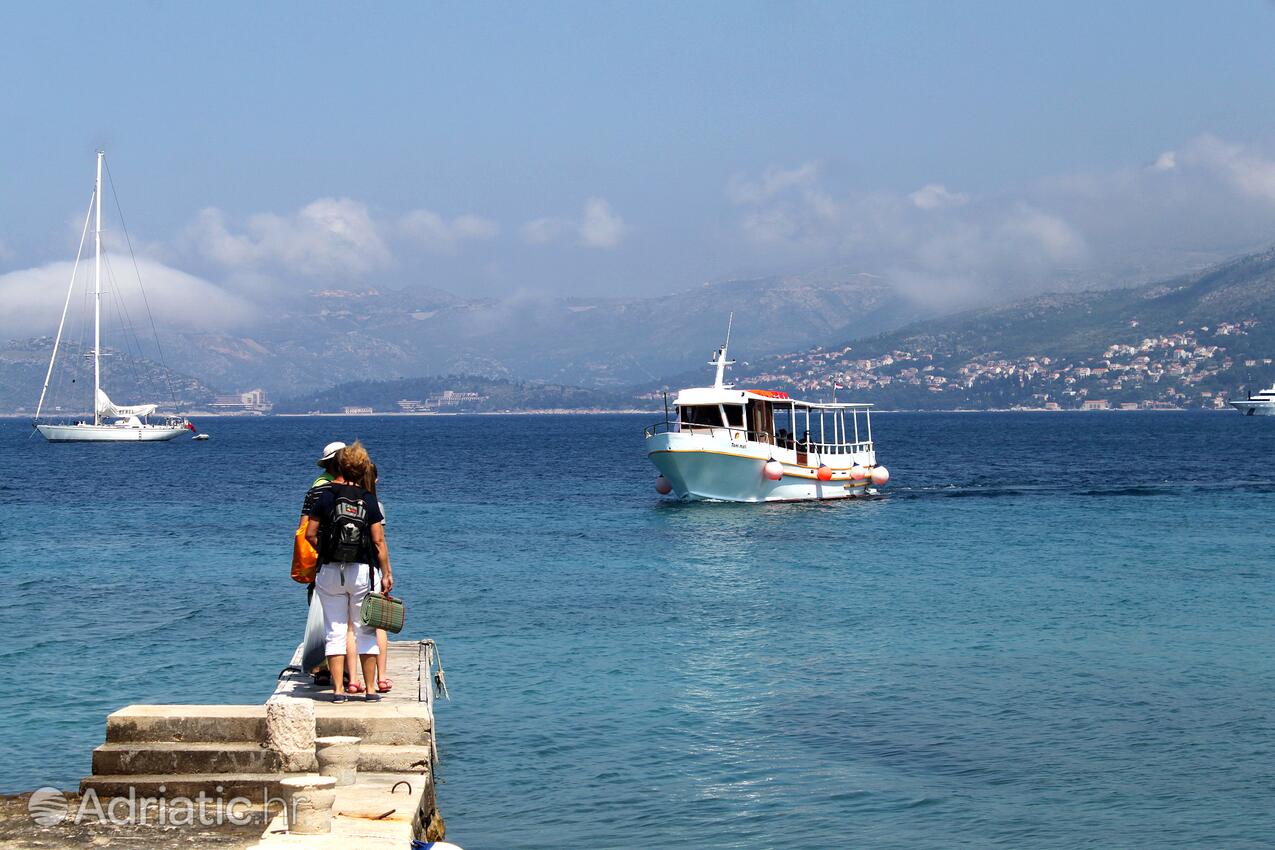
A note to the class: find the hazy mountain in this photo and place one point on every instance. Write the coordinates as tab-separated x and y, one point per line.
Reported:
471	394
336	336
128	379
1186	340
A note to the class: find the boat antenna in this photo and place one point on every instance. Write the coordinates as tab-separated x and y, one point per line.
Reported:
665	393
719	357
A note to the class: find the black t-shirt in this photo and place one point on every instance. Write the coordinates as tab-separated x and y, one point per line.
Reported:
320	484
325	502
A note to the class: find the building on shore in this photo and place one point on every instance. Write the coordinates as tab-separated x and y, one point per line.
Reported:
252	401
356	411
1095	404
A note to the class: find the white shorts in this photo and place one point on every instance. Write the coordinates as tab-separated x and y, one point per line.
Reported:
341	589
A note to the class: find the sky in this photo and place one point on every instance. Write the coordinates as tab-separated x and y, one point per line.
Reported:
964	150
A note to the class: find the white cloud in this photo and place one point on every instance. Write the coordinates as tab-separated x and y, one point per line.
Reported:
1246	170
745	190
327	237
442	236
976	250
33	298
1166	161
933	196
541	231
600	227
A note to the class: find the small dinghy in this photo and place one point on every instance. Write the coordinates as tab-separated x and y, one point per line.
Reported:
200	437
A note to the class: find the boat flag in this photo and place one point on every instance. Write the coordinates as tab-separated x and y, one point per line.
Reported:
191	426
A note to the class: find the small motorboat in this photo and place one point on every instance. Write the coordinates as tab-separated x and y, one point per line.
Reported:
756	445
200	437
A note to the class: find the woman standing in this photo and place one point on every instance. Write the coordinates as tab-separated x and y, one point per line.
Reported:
348	531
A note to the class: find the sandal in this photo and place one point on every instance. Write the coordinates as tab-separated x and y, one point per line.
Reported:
384	686
354	688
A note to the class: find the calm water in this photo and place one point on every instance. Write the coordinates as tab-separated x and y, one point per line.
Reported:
1055	632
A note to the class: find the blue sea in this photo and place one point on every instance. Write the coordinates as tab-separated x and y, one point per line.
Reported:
1056	631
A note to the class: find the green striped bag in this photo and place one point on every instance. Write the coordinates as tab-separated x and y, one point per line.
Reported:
382	611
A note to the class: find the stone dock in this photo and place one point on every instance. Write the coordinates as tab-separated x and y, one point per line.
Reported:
233	751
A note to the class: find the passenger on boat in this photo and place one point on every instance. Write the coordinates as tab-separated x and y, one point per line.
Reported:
347	529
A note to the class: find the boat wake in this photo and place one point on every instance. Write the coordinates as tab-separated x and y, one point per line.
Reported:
1146	489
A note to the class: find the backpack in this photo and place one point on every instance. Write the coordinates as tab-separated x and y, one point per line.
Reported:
346	534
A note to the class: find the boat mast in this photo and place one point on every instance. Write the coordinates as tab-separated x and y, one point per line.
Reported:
719	359
97	291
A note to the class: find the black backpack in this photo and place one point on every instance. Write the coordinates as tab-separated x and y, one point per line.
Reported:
346	534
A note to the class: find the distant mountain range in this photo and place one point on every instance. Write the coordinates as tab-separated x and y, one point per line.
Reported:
1184	341
337	336
127	378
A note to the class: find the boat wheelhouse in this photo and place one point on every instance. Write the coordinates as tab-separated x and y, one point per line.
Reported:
761	445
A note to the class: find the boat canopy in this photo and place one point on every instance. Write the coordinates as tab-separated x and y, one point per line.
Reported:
714	395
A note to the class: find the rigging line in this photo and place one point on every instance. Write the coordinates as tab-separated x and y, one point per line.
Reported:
133	364
65	306
128	367
168	378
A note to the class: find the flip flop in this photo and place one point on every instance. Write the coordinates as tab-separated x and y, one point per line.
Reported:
354	688
384	686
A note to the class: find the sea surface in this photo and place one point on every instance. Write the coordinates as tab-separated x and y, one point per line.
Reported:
1057	631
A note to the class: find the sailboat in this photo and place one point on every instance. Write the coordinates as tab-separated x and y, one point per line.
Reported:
113	423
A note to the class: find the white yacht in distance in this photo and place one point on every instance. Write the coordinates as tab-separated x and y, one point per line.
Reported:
762	446
130	422
1262	404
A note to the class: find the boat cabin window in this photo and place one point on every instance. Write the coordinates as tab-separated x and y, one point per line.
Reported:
701	414
734	415
785	436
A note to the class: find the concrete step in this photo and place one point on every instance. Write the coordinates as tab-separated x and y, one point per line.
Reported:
383	723
254	786
156	757
386	722
183	723
394	758
194	757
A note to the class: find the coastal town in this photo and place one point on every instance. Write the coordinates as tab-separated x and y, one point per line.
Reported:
1192	368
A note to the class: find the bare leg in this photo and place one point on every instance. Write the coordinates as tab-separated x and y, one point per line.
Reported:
382	643
336	665
351	655
369	670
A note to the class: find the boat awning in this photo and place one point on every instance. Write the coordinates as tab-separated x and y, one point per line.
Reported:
713	395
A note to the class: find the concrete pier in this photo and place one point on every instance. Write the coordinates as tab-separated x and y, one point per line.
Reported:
222	752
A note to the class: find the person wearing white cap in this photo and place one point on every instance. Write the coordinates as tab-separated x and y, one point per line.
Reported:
328	463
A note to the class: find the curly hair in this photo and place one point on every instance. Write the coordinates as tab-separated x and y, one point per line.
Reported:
356	466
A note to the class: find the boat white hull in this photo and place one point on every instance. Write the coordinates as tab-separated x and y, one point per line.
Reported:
699	468
1254	408
110	433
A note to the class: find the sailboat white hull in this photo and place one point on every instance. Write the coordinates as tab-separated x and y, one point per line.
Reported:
110	433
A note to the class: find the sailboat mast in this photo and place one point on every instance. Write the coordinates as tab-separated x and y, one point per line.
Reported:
97	290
